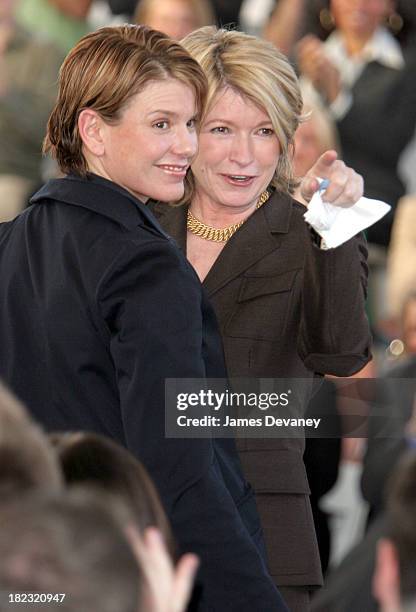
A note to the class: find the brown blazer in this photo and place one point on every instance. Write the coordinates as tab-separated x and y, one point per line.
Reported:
285	309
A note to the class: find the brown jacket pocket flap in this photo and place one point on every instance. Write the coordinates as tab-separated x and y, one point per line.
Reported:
253	286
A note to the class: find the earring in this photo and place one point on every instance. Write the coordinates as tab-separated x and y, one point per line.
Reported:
395	22
326	19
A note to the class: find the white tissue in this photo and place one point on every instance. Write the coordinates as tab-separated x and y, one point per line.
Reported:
336	225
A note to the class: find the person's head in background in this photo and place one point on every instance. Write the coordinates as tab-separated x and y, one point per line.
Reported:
92	459
74	545
6	9
315	135
6	23
394	580
358	20
408	324
27	462
176	18
77	9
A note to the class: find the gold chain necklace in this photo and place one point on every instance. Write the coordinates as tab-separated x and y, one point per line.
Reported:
219	235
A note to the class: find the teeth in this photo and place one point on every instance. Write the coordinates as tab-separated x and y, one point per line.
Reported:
174	168
240	178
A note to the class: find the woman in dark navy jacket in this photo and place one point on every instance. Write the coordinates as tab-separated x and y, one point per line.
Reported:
98	306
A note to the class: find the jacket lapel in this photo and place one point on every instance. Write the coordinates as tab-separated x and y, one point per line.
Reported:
260	235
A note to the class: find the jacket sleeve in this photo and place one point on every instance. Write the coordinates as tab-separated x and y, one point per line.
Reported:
151	301
334	335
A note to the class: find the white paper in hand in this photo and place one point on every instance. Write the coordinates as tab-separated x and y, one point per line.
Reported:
336	225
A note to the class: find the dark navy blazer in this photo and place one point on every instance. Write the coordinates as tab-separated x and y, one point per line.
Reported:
98	306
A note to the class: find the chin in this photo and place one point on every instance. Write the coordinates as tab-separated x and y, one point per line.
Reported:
241	199
169	194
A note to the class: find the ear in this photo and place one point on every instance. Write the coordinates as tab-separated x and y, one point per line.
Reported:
386	578
90	126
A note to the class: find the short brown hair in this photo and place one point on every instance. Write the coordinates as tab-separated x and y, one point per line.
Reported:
103	72
92	459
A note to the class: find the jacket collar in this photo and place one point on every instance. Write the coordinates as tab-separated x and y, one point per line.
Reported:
101	196
260	235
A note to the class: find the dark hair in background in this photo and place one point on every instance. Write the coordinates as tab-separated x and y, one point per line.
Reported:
88	458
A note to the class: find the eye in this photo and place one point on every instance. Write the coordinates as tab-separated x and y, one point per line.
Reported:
191	123
161	125
221	129
266	131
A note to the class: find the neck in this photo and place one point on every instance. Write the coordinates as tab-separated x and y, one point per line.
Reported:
354	44
219	215
97	168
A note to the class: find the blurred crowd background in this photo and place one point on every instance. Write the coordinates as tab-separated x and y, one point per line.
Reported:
357	63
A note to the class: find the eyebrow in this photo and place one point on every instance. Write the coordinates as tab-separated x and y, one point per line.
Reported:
168	113
162	111
231	122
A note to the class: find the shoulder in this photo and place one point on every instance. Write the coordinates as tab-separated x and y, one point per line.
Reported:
97	205
285	214
286	201
151	276
100	236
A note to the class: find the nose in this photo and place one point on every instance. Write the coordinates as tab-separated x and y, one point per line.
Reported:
242	151
186	142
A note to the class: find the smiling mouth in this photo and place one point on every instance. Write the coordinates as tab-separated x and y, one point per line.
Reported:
173	169
239	179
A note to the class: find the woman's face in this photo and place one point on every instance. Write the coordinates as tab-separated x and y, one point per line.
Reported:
149	151
359	18
238	152
78	9
173	17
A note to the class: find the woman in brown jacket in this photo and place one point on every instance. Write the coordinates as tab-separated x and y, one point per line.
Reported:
285	307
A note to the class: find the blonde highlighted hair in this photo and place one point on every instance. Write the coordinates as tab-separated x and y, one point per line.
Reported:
258	71
103	72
